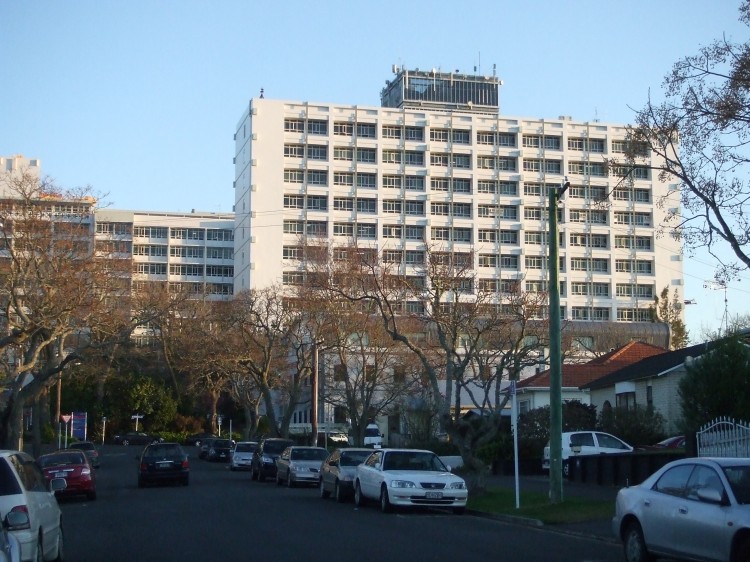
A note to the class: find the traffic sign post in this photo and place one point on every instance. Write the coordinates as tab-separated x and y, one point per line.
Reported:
136	417
66	419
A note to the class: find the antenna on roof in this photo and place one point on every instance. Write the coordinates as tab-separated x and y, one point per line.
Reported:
261	93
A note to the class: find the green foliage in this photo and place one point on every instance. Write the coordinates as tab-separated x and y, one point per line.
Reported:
130	394
533	426
440	448
499	449
639	426
48	433
716	384
670	312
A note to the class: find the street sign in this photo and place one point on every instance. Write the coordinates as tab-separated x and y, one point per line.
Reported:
65	418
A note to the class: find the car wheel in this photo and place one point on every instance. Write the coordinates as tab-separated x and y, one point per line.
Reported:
125	442
338	492
359	499
385	503
289	482
566	469
60	545
634	545
323	492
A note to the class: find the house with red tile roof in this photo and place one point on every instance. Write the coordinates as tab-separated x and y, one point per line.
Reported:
533	392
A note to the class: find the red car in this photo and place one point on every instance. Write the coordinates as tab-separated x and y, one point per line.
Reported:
74	467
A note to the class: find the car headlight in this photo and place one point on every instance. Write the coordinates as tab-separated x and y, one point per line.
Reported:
402	484
295	468
457	486
266	459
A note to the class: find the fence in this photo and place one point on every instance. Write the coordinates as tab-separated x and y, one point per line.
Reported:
724	437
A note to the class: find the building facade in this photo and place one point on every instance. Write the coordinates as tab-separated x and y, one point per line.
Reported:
437	166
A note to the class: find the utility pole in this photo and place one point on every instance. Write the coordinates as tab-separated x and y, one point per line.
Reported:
555	354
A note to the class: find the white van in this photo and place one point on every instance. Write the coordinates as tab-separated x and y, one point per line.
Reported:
582	443
373	437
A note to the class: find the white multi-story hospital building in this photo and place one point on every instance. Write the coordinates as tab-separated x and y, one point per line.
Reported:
437	165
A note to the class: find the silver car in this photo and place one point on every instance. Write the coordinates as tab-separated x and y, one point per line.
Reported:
697	508
299	465
242	455
338	470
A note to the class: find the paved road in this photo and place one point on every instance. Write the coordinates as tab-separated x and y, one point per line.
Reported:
224	515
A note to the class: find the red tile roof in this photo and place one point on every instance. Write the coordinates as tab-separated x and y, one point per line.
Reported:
577	375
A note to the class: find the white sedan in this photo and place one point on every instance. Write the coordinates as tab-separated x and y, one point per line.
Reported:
408	478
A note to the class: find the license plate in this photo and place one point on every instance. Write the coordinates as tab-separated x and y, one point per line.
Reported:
60	475
433	495
163	465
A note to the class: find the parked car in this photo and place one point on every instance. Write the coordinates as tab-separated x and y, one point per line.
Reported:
74	467
264	458
31	513
163	462
373	437
197	438
675	442
299	465
242	455
338	470
407	478
10	550
582	443
89	449
697	508
204	447
220	450
136	438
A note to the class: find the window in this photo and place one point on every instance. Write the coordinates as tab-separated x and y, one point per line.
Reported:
440	209
541	141
317	228
414	183
294	176
366	130
392	206
439	135
317	152
597	169
488	260
588	145
317	127
485	235
294	150
317	202
343	178
414	257
293	227
637	219
292	253
496	139
546	166
533	237
391	132
394	182
339	373
536	286
294	125
343	153
589	240
391	231
366	181
343	204
392	156
440	233
634	315
293	277
392	256
533	213
415	208
413	232
294	201
366	205
414	133
365	230
341	128
534	262
366	155
219	234
317	177
343	229
634	290
588	216
413	158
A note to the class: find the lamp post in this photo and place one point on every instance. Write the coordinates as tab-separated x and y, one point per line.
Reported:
555	354
315	390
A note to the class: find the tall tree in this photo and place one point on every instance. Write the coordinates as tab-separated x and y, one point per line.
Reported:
669	311
701	130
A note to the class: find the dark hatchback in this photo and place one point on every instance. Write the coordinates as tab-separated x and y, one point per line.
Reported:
220	450
264	458
163	462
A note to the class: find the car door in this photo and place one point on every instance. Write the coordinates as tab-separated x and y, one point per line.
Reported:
701	527
660	507
611	444
282	463
370	476
330	469
582	443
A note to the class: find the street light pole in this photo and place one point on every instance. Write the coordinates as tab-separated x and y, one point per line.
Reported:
555	354
57	411
314	400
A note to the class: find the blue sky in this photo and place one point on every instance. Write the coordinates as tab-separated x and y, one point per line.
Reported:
140	99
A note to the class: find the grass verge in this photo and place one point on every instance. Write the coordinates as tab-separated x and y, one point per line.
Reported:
537	506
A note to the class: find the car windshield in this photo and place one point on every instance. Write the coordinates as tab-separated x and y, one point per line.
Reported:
308	454
61	459
413	460
739	480
372	432
354	458
245	448
221	443
275	447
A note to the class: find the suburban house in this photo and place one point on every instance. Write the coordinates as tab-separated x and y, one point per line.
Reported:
534	391
652	381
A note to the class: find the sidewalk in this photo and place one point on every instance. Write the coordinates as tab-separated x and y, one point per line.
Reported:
598	528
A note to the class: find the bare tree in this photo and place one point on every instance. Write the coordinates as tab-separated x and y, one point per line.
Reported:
701	130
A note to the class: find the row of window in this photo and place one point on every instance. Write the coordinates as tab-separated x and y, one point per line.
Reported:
210	234
461	161
456	136
464	185
186	270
